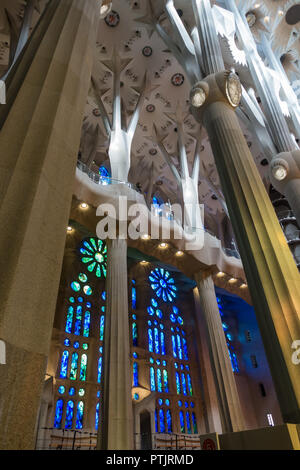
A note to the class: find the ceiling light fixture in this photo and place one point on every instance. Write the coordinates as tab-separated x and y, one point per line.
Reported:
83	205
179	253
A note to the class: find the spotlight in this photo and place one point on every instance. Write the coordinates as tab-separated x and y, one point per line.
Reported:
163	245
144	262
83	205
243	286
179	253
220	274
69	229
145	236
232	280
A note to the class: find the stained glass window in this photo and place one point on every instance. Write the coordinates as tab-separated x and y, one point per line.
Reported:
183	382
229	338
181	419
97	416
58	413
165	377
188	423
159	381
156	423
135	375
169	420
78	320
189	381
156	341
75	286
102	321
83	366
162	420
69	319
64	364
95	256
163	284
177	383
74	365
99	369
174	346
162	343
179	349
152	379
86	325
134	334
79	415
69	415
195	428
133	296
185	350
150	340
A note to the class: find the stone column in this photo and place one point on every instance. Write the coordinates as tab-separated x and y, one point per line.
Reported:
39	143
116	430
229	404
269	266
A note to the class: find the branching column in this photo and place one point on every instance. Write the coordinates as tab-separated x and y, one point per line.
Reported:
229	403
116	431
39	143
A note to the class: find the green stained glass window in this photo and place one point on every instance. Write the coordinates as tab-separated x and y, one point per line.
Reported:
83	366
74	365
94	253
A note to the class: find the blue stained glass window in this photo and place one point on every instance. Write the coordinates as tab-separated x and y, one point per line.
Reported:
133	297
67	342
99	369
166	384
64	364
76	344
188	423
78	320
97	416
162	421
69	415
183	382
162	343
150	310
150	340
177	383
74	365
163	284
58	413
135	375
79	415
103	172
179	349
61	389
160	401
69	319
190	388
185	350
72	391
103	295
181	419
174	346
195	428
135	355
154	303
156	423
83	366
102	320
156	340
159	381
159	313
173	318
152	379
86	325
134	334
169	420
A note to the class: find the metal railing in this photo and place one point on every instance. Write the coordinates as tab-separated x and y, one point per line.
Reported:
65	439
294	236
102	180
288	214
167	441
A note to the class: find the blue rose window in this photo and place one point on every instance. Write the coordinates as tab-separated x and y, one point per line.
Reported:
95	256
163	284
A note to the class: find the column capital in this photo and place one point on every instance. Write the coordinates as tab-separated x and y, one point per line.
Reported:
284	167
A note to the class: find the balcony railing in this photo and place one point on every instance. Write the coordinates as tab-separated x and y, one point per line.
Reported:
65	439
102	180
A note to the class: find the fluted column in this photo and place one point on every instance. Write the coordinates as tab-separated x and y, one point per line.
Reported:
269	266
39	143
116	431
229	404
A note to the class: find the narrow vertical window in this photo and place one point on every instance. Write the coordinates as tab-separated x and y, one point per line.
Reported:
174	346
190	388
159	381
177	383
150	340
156	340
133	297
181	419
179	348
185	350
58	413
69	319
78	320
166	385
69	415
64	364
134	334
86	324
83	366
183	383
135	375
162	427
102	327
162	343
156	421
74	365
99	369
195	428
169	420
188	422
152	379
97	416
79	415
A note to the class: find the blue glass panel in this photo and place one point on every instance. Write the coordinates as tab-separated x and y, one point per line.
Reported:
86	324
135	375
58	413
156	423
162	343
67	342
150	340
102	320
74	365
64	364
69	415
133	297
169	420
183	382
154	303
97	416
162	427
179	349
83	367
61	389
150	310
190	388
103	295
185	350
159	381
188	423
181	419
174	346
79	415
195	428
134	334
177	383
165	377
77	327
72	391
99	369
152	379
69	319
156	340
159	313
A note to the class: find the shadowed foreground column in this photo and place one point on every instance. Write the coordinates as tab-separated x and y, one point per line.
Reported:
116	431
39	143
271	272
229	403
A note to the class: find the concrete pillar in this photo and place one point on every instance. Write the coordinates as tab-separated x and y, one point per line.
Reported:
269	266
229	404
116	430
39	142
